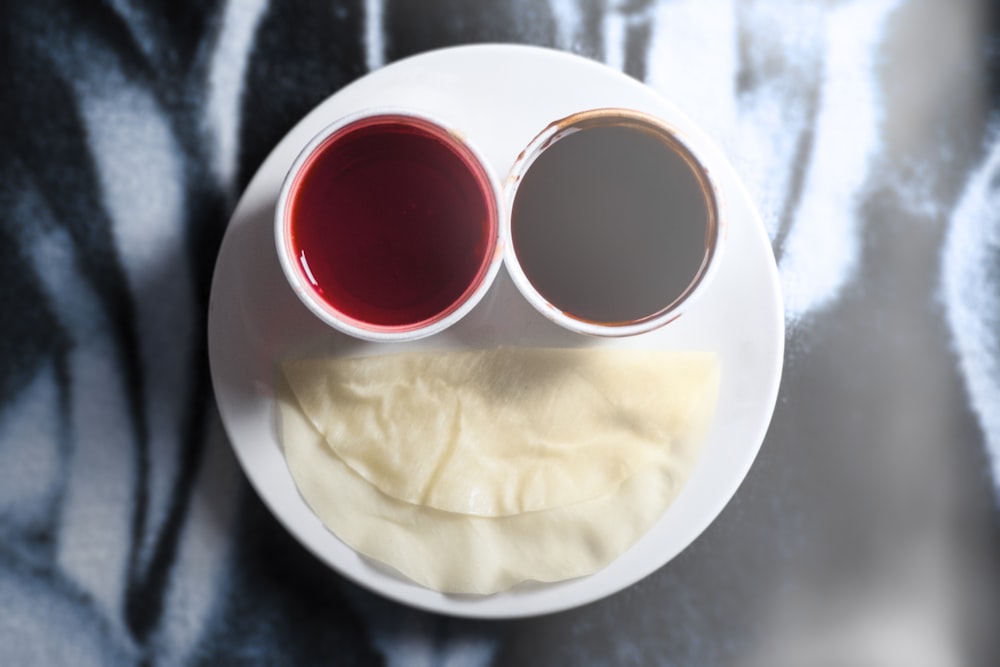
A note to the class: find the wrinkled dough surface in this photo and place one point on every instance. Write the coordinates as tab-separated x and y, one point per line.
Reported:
507	430
456	553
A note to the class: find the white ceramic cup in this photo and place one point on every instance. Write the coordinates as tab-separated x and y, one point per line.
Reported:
332	293
579	269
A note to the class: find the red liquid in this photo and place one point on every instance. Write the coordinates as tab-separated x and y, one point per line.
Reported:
393	222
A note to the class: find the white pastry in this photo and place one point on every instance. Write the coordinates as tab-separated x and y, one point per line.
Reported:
508	430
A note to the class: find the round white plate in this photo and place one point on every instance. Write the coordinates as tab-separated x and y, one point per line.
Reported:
500	96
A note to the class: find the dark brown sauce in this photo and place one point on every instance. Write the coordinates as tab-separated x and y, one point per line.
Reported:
611	223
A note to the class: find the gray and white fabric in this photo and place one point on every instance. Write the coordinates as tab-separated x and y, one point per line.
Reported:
867	532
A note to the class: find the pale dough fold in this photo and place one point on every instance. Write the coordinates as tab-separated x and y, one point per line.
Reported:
508	430
456	553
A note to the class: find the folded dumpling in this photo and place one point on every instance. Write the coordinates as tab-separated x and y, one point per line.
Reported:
508	430
461	553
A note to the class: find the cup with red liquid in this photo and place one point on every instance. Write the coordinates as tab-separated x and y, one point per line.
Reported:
389	225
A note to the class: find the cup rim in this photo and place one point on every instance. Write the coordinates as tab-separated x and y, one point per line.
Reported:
687	147
485	276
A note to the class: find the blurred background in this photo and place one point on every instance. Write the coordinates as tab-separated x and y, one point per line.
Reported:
865	534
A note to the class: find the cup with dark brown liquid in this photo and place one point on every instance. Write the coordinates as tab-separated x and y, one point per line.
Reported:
389	226
616	225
